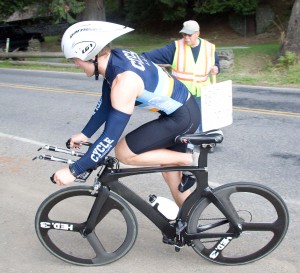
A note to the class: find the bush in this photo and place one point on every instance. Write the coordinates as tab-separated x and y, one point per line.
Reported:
287	60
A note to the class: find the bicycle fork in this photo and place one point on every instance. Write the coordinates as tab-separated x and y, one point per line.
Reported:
93	217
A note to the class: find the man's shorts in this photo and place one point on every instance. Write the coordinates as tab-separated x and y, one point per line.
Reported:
161	133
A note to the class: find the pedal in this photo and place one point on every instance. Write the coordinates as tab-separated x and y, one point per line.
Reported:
178	247
167	240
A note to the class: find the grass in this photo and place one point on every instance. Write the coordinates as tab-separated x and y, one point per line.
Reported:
253	64
140	42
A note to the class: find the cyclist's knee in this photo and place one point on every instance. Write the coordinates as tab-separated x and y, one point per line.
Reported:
124	159
123	153
187	159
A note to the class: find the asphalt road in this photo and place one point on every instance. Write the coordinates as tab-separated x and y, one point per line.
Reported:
262	145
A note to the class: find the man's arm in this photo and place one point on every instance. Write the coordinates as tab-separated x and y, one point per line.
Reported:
164	55
217	65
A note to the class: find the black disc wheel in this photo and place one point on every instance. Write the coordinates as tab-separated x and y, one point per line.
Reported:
263	217
61	218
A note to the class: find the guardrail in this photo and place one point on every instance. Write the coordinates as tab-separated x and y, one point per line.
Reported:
225	55
18	58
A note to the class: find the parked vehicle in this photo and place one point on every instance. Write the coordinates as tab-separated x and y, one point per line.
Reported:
18	37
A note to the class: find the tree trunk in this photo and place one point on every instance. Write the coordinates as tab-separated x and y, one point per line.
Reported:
94	10
292	39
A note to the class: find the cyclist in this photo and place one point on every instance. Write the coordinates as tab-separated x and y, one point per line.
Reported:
129	80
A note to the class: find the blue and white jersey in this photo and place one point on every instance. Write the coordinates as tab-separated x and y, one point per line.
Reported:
162	92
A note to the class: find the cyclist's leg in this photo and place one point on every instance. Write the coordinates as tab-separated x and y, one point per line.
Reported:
166	157
173	179
160	156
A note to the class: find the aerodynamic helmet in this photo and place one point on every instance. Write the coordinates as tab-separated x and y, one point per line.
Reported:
84	40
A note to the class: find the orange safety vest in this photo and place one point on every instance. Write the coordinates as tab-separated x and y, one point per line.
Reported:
195	75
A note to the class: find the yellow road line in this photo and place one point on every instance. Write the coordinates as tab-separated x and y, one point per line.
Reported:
267	112
78	92
48	89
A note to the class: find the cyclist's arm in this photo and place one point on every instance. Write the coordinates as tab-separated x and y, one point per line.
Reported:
125	89
101	112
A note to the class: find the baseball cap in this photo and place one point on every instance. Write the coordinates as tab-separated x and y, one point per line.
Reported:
190	27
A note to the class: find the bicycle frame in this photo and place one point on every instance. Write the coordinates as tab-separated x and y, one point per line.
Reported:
109	178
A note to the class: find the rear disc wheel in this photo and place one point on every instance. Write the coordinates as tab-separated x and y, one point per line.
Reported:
261	212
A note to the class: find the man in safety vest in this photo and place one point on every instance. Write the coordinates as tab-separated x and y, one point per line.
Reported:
193	59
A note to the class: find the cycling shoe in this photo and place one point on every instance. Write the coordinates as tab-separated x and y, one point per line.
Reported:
187	182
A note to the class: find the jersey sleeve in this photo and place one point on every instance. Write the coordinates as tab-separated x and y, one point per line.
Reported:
101	112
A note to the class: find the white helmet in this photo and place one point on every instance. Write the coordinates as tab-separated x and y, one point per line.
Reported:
84	40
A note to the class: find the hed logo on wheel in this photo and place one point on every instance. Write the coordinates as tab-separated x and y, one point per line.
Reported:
56	225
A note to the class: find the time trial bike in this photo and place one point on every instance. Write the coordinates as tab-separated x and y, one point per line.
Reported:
235	223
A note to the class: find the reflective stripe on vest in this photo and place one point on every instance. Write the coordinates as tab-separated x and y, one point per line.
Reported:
193	74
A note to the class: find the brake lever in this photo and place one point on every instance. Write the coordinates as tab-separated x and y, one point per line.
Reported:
52	178
85	143
68	143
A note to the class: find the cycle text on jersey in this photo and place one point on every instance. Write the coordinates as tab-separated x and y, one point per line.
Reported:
101	149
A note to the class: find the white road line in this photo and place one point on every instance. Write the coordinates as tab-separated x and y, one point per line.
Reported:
22	139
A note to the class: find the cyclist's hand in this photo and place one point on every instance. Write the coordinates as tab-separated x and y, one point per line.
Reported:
74	141
63	177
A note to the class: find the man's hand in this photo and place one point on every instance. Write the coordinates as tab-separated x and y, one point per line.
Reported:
63	177
214	70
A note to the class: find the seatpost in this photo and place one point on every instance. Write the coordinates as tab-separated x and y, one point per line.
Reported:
202	162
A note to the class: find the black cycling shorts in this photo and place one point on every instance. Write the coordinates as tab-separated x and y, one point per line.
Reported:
161	132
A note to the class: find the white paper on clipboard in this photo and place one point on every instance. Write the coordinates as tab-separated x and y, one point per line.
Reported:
216	106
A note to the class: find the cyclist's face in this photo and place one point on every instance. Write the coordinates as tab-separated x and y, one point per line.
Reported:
87	67
191	40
